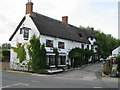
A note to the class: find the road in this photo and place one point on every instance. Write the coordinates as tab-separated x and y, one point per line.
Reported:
87	77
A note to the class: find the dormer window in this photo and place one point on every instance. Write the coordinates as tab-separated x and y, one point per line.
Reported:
80	36
91	38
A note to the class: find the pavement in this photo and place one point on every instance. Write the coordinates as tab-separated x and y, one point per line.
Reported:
85	77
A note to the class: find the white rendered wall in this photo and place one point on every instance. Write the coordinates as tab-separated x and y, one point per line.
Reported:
18	38
68	44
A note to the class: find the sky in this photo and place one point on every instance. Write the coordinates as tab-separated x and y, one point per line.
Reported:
99	14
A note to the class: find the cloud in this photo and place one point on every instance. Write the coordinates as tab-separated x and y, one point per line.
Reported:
100	14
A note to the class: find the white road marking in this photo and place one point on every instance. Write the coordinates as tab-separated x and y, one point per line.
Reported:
15	85
98	87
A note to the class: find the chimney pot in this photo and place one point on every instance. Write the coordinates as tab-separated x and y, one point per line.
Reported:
65	19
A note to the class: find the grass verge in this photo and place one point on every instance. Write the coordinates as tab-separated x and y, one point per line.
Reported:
15	72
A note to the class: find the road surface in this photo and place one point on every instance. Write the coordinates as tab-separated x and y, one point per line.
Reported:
87	77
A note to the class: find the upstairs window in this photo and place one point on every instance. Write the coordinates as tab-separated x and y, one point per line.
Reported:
91	38
25	32
61	45
49	43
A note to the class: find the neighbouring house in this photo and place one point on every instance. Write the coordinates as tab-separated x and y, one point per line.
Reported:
116	51
4	59
52	33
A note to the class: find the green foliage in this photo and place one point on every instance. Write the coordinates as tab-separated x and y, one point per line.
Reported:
106	67
20	50
43	57
55	50
42	71
6	46
106	43
37	54
80	56
5	52
118	59
88	27
87	54
76	52
29	65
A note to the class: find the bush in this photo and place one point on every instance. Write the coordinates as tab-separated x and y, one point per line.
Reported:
118	59
118	62
106	66
37	54
42	71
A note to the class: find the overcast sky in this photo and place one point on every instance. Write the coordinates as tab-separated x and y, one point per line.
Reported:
100	14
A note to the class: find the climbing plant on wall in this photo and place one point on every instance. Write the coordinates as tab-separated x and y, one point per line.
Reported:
20	50
55	50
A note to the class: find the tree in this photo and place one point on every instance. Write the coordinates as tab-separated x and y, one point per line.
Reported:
87	54
106	44
6	46
43	57
37	54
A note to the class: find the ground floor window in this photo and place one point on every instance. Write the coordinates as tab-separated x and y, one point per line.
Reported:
62	60
51	60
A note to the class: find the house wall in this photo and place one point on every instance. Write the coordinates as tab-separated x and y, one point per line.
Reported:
116	51
68	44
18	38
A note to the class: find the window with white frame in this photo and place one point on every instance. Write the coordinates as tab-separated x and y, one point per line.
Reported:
25	32
49	43
61	45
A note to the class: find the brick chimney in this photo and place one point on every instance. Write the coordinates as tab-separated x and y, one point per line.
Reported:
29	7
65	19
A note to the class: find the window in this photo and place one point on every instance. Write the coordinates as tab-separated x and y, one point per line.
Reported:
91	38
26	33
87	46
62	60
80	36
51	60
47	62
92	47
61	45
82	46
49	43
